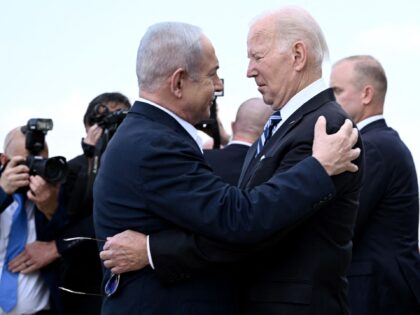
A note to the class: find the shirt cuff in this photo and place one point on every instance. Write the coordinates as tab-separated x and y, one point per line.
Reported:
149	254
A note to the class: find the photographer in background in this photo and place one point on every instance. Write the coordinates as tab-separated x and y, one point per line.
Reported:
30	220
81	268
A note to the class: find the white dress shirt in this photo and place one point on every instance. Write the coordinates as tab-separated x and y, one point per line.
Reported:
299	99
369	120
33	295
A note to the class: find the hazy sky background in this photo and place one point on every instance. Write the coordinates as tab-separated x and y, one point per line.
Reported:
56	56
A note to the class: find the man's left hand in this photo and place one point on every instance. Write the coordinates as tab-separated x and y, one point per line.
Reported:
44	195
35	256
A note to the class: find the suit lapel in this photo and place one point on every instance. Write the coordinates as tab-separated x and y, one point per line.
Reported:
251	160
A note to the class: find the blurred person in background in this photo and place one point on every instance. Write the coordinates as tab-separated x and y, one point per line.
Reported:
246	129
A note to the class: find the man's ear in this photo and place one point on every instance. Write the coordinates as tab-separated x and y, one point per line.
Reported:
299	55
177	82
367	94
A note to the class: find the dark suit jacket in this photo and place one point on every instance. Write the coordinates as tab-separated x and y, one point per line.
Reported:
301	270
153	177
385	272
80	268
227	162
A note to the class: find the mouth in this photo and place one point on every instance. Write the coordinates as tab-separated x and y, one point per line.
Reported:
261	88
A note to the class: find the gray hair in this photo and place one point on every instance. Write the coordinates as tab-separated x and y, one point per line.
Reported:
368	70
293	24
164	48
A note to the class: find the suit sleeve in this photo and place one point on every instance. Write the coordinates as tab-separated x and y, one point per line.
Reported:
190	196
178	254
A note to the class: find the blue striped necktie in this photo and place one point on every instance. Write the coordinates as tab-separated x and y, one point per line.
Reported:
17	240
268	130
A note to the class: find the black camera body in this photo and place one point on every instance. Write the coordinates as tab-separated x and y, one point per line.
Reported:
107	120
54	170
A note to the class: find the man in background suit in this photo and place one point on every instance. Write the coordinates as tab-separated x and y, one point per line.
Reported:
384	275
247	127
302	270
153	176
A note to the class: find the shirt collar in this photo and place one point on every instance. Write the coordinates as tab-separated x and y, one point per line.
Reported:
239	142
301	98
367	121
185	124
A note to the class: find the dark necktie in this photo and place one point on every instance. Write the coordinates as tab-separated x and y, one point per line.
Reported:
17	240
272	122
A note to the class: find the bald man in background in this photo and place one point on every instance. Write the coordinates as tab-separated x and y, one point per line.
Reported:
384	275
247	127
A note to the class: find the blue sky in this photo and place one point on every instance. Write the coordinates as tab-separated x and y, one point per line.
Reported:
56	56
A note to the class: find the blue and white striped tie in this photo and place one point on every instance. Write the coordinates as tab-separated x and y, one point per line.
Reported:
268	130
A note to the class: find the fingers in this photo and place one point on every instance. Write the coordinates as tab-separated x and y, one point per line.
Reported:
320	126
22	263
18	260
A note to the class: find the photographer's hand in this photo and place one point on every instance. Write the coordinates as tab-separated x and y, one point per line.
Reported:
35	256
44	195
14	176
93	135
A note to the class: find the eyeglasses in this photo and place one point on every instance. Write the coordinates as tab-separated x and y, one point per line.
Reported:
112	283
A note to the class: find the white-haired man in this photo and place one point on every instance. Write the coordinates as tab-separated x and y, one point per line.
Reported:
154	178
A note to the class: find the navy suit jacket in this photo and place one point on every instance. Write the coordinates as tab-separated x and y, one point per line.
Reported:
153	177
302	269
385	271
227	162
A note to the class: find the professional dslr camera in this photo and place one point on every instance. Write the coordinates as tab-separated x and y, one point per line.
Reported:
107	120
54	170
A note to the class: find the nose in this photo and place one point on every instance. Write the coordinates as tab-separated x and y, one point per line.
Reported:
251	71
218	85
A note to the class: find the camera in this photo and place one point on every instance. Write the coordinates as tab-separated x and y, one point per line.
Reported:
35	131
106	119
54	170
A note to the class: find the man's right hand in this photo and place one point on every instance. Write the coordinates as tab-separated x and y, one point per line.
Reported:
15	175
335	152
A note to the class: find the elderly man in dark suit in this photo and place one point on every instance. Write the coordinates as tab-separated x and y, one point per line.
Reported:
247	127
154	178
384	275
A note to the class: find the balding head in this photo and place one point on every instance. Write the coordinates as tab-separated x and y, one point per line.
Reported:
250	120
14	144
360	85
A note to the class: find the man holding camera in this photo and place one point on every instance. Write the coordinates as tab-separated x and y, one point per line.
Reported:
30	218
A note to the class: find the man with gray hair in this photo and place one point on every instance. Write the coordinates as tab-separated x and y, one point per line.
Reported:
154	179
384	276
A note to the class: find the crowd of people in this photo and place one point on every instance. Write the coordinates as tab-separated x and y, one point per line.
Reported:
311	206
